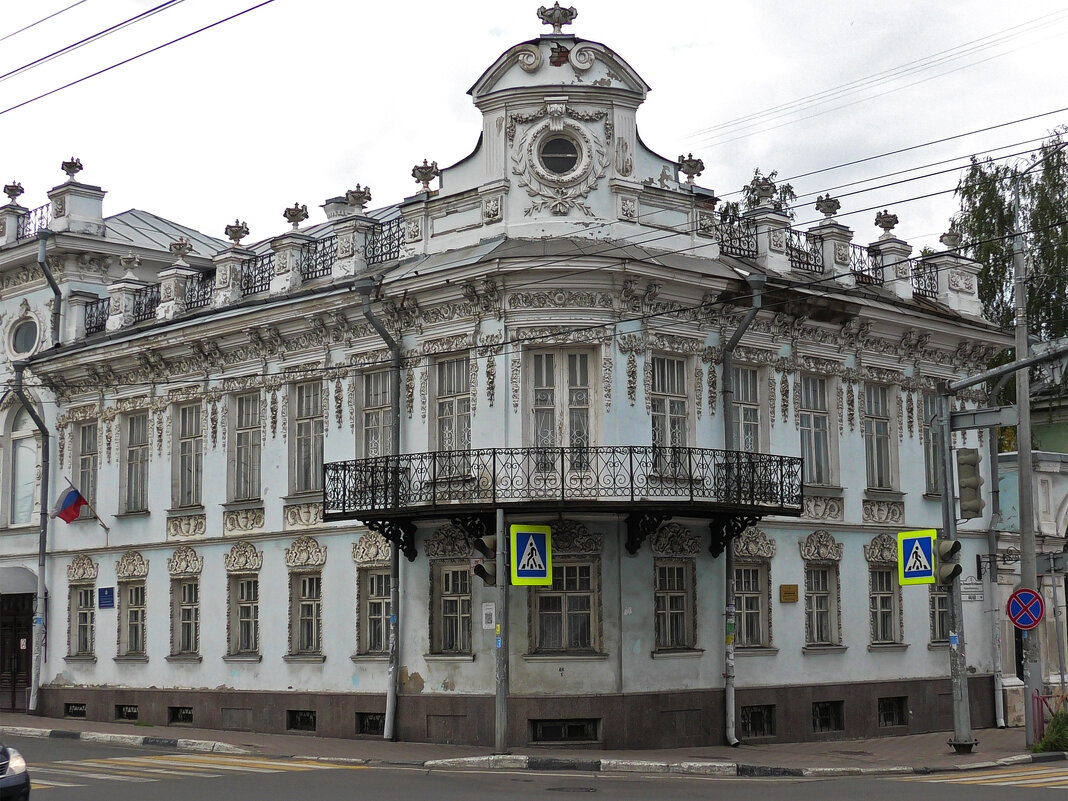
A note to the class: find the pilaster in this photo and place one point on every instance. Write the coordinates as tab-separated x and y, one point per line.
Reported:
289	250
958	282
897	267
77	209
122	302
10	214
228	275
771	226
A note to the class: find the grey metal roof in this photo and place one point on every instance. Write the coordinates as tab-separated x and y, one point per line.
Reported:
143	229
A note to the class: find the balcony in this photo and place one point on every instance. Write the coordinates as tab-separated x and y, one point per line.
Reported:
695	482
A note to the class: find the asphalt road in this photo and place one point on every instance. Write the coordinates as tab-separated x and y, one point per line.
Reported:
65	770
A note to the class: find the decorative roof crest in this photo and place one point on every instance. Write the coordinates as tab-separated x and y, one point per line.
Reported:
425	173
557	17
236	232
72	167
13	190
296	215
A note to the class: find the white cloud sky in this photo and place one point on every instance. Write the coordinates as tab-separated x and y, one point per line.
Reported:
301	99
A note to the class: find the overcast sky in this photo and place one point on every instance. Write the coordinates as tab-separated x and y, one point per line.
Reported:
301	99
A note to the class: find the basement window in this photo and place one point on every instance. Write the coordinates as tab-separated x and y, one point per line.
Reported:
758	721
180	715
74	710
893	711
571	730
300	720
126	712
828	716
370	723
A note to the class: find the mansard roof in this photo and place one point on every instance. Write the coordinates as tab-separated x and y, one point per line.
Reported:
142	229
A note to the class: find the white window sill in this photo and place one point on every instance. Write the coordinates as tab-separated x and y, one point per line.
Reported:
236	506
755	650
681	653
185	511
187	658
941	645
132	658
565	656
249	658
87	659
449	657
383	658
305	659
823	489
820	650
135	513
883	494
888	646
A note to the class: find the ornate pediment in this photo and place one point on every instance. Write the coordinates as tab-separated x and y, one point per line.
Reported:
372	547
82	568
132	565
243	558
305	552
820	546
753	543
448	542
671	539
185	562
572	537
882	549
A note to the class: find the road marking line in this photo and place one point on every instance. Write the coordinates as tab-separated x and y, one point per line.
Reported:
83	775
36	785
119	764
273	763
190	767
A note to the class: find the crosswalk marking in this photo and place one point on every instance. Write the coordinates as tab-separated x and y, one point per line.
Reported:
161	767
1022	776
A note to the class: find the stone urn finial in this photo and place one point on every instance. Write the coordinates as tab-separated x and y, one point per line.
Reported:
690	167
951	239
886	221
556	16
358	197
425	173
13	190
131	262
236	232
828	206
764	189
181	248
296	215
72	167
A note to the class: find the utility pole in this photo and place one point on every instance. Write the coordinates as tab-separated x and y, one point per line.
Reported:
500	705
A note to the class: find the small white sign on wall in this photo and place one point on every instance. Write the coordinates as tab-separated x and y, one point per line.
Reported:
489	616
971	590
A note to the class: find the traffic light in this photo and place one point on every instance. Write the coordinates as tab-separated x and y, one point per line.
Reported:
487	570
969	483
945	568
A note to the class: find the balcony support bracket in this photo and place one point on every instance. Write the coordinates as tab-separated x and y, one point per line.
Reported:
725	527
641	526
400	532
476	526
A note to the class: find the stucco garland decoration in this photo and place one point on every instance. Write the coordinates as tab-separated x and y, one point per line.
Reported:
753	543
424	389
821	546
886	512
784	391
647	381
186	526
302	515
243	520
559	193
449	542
514	378
472	369
371	548
132	565
243	558
900	416
185	562
674	539
838	406
820	507
490	348
272	411
352	402
305	552
698	388
213	417
910	408
606	382
710	356
572	537
339	402
82	568
882	549
772	386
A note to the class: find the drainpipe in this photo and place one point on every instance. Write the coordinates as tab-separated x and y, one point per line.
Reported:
730	440
992	551
39	606
42	262
394	562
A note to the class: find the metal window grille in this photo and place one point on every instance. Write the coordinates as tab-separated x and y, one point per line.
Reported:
309	437
96	315
247	448
190	455
758	721
893	711
455	632
145	302
828	716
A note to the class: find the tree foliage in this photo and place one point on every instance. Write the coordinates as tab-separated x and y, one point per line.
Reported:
782	200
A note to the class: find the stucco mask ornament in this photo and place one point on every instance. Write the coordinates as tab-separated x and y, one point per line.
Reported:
690	167
13	190
886	221
236	232
72	167
828	206
764	189
425	173
358	197
556	16
951	239
295	215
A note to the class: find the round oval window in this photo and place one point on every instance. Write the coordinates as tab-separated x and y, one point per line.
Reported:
559	155
24	337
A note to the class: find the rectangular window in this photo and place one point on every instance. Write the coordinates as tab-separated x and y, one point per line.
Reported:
309	613
377	414
815	430
247	448
190	455
670	420
877	436
308	437
750	603
88	462
245	629
132	634
83	608
939	606
674	617
932	479
454	610
893	711
454	405
820	613
747	408
828	716
758	721
883	606
137	462
377	611
566	610
187	627
561	419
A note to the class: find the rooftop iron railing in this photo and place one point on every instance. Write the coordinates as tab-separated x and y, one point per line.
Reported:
865	264
256	273
34	221
317	258
736	236
924	278
384	241
145	302
199	290
96	315
406	484
805	250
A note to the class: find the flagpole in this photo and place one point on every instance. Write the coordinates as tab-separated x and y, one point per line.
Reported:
107	531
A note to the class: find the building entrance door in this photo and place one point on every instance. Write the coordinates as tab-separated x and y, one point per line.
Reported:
16	648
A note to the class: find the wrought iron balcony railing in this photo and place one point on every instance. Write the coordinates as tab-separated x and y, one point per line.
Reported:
256	274
145	302
317	258
805	250
736	237
865	265
924	278
36	220
96	315
199	290
450	482
384	242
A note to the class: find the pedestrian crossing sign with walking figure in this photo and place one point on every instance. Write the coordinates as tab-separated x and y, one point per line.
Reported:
531	555
915	557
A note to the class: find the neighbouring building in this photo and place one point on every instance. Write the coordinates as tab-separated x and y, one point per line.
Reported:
544	326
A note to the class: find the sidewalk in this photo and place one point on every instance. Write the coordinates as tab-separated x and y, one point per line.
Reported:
917	753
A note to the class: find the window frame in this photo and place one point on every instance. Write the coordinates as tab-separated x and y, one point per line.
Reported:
670	438
305	607
809	411
884	605
88	462
443	591
247	456
878	431
762	593
235	603
135	461
81	618
22	433
596	615
367	577
751	405
833	592
126	590
188	458
180	605
686	568
566	407
376	414
931	473
938	615
454	389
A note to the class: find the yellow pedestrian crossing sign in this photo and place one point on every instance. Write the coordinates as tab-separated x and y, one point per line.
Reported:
531	555
915	557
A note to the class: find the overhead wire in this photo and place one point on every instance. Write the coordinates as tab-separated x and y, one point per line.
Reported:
43	19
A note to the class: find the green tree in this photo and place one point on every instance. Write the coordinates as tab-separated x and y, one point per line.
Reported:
782	200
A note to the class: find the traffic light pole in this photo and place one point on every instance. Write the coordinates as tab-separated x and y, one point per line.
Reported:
963	741
500	706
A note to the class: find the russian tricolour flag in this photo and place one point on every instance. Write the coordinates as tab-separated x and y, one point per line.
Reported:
70	505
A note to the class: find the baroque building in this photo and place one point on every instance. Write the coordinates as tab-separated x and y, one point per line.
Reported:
559	326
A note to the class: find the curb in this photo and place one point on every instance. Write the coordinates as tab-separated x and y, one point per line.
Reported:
134	740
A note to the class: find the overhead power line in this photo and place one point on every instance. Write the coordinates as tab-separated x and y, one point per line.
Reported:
43	19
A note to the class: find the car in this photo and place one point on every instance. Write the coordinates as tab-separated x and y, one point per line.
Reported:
14	778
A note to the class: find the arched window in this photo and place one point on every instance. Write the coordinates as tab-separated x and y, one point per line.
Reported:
23	468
